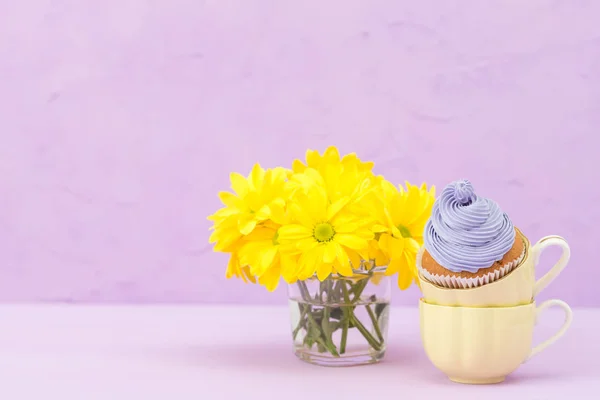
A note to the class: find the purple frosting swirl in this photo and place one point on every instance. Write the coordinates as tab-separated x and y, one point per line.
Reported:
465	232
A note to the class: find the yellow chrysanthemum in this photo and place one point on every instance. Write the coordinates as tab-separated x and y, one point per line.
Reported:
376	254
401	217
326	238
331	156
262	251
326	216
254	198
342	177
235	269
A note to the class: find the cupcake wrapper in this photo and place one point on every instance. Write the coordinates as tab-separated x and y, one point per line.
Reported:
456	282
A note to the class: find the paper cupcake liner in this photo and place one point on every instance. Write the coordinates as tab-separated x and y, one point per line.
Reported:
457	282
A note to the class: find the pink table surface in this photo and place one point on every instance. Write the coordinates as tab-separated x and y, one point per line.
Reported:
192	352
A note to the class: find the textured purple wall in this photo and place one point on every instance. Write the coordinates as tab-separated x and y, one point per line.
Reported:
120	120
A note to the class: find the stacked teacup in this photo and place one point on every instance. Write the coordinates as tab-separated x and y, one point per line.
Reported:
477	276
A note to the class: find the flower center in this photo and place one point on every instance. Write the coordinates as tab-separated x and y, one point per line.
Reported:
404	231
276	237
323	232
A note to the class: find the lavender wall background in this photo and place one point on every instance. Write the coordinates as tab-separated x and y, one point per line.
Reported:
120	120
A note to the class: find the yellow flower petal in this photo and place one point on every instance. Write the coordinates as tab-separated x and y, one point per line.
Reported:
263	213
253	201
313	158
294	232
417	228
336	207
412	245
379	228
224	241
310	261
364	254
381	259
223	214
232	267
298	166
270	279
432	191
384	241
395	247
229	199
239	184
355	259
247	276
404	279
288	267
406	275
329	252
213	237
306	244
350	241
331	155
345	228
261	233
314	203
323	271
267	259
364	234
278	215
394	266
250	252
256	176
343	261
300	215
246	224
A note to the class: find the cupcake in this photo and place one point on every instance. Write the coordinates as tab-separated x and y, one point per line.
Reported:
468	240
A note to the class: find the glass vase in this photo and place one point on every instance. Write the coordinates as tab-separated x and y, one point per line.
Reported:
341	321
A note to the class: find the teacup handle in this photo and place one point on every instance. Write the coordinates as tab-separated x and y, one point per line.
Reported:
568	319
537	250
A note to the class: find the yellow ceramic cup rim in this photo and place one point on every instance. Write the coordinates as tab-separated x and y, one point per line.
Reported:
530	304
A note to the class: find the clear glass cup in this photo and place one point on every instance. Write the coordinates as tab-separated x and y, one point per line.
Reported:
341	321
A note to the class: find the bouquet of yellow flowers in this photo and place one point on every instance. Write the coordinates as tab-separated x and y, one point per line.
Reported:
329	222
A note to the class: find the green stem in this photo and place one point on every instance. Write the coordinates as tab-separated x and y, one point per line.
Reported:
335	292
304	291
345	295
322	289
346	322
359	288
303	309
311	319
327	331
330	291
345	326
319	337
375	323
331	348
372	341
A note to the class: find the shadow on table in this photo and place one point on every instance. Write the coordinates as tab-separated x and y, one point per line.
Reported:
407	356
254	355
411	362
266	355
517	378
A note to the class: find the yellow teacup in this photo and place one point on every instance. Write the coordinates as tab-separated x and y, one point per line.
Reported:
518	287
480	345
